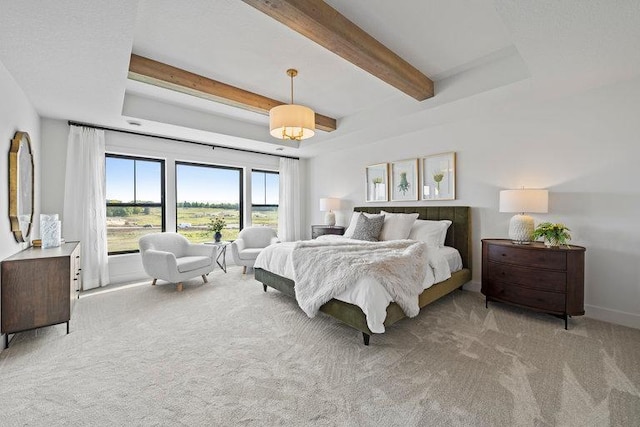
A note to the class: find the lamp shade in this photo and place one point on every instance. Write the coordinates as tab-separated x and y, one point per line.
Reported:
291	121
524	200
329	204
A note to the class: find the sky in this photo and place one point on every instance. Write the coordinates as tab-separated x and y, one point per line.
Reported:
194	183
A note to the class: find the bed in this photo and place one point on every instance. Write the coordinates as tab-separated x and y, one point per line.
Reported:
458	236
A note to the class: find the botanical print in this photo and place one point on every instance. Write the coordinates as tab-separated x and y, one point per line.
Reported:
404	180
438	177
376	183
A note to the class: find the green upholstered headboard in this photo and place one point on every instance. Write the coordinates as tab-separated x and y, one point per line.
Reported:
459	233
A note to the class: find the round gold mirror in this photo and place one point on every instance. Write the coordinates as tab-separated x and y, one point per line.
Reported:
21	186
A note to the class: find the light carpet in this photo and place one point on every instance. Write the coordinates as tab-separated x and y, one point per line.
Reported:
226	353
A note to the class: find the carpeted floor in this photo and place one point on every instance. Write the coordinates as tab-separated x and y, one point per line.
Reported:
226	353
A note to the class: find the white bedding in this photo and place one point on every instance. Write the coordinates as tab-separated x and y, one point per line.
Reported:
367	293
452	255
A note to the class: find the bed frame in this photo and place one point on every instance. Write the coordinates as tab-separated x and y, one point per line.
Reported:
458	236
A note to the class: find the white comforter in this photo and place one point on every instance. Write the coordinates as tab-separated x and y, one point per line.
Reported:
367	293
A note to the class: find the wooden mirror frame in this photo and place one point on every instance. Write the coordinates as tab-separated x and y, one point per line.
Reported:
20	190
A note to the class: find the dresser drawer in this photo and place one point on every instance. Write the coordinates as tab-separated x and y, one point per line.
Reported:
547	280
537	258
534	298
321	230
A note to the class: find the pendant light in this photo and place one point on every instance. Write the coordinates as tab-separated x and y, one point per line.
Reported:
291	121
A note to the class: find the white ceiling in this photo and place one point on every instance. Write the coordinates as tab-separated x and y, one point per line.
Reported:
71	59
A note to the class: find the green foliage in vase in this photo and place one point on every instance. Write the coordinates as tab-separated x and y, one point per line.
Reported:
552	232
216	224
404	184
377	180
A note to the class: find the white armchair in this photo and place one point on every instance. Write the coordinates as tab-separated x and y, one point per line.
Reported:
250	242
170	257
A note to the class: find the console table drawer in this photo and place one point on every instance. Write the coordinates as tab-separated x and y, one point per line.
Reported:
548	259
547	280
541	300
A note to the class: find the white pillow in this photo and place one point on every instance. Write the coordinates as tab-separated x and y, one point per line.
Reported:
433	233
397	225
354	221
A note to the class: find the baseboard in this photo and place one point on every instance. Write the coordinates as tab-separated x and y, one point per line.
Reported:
613	316
472	286
617	317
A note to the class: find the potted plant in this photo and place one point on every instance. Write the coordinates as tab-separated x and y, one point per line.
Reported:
554	235
216	225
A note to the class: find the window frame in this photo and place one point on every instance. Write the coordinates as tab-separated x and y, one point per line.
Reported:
265	189
161	205
211	165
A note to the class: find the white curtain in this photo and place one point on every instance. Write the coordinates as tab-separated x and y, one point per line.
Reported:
85	212
289	205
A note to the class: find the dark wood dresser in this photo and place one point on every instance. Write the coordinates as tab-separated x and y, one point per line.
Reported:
39	287
320	230
533	276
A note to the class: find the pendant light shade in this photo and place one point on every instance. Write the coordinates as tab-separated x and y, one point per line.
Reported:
291	121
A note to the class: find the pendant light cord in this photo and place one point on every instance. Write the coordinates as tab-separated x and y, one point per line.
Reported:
291	88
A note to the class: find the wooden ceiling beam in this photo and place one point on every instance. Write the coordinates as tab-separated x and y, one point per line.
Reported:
321	23
163	75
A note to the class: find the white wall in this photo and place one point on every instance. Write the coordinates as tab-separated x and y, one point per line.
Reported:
16	114
128	267
584	148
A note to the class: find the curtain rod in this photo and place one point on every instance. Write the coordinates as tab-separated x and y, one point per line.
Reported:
184	141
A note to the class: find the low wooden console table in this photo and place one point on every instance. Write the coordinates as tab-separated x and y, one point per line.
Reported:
39	288
533	276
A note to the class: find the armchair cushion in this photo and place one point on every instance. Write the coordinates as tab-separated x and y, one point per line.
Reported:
189	263
249	254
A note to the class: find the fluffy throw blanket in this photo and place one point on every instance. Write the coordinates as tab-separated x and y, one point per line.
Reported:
324	269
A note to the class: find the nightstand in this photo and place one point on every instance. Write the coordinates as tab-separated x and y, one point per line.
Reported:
533	276
319	230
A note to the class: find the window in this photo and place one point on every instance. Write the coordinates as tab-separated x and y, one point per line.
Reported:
265	196
204	192
135	200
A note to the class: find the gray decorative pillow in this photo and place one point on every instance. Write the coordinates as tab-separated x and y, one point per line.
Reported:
368	228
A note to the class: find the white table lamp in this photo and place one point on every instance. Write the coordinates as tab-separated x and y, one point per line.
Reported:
328	205
522	201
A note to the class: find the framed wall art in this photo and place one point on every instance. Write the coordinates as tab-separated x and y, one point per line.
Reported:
377	183
438	175
404	180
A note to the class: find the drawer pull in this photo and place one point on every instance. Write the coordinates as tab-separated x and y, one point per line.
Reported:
75	278
77	256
